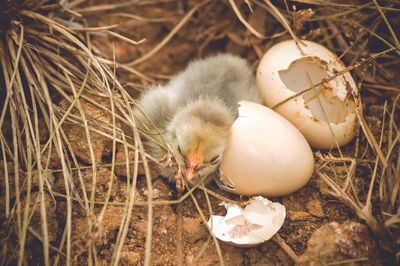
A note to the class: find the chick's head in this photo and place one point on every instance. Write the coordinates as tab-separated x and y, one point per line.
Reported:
199	134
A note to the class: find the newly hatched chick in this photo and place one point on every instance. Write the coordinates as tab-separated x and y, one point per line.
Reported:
195	112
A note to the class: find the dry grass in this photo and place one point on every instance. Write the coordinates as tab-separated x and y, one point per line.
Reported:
48	57
45	59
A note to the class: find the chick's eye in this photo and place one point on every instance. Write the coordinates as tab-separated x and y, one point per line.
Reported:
179	149
214	160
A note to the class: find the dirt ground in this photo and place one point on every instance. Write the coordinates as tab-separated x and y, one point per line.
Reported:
213	28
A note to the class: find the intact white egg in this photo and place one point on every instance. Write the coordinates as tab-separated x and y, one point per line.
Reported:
266	154
325	114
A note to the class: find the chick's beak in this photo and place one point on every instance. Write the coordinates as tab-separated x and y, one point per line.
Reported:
193	166
190	172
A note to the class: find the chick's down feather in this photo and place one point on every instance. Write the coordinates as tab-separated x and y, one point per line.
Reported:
195	111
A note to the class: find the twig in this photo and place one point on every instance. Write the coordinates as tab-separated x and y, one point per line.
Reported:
206	224
278	15
105	7
119	36
149	199
289	251
387	24
371	139
128	208
169	36
179	242
245	23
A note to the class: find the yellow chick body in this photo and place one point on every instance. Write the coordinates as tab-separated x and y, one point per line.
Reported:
195	112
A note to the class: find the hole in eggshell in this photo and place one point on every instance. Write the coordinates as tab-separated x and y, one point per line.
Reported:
322	101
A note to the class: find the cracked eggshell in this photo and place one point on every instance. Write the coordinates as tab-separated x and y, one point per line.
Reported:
256	223
266	155
326	114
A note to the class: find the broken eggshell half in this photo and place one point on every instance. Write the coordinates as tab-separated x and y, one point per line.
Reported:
325	114
256	223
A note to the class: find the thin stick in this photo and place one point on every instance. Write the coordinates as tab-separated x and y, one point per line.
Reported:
179	242
367	206
124	38
169	36
387	24
245	23
371	139
221	258
106	7
289	251
131	199
277	14
149	198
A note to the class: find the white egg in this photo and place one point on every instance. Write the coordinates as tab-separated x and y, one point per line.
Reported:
266	154
256	223
325	114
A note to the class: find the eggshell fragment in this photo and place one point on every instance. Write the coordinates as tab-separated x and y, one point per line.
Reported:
253	225
266	154
326	113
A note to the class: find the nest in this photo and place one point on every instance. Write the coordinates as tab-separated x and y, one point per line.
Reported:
72	156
